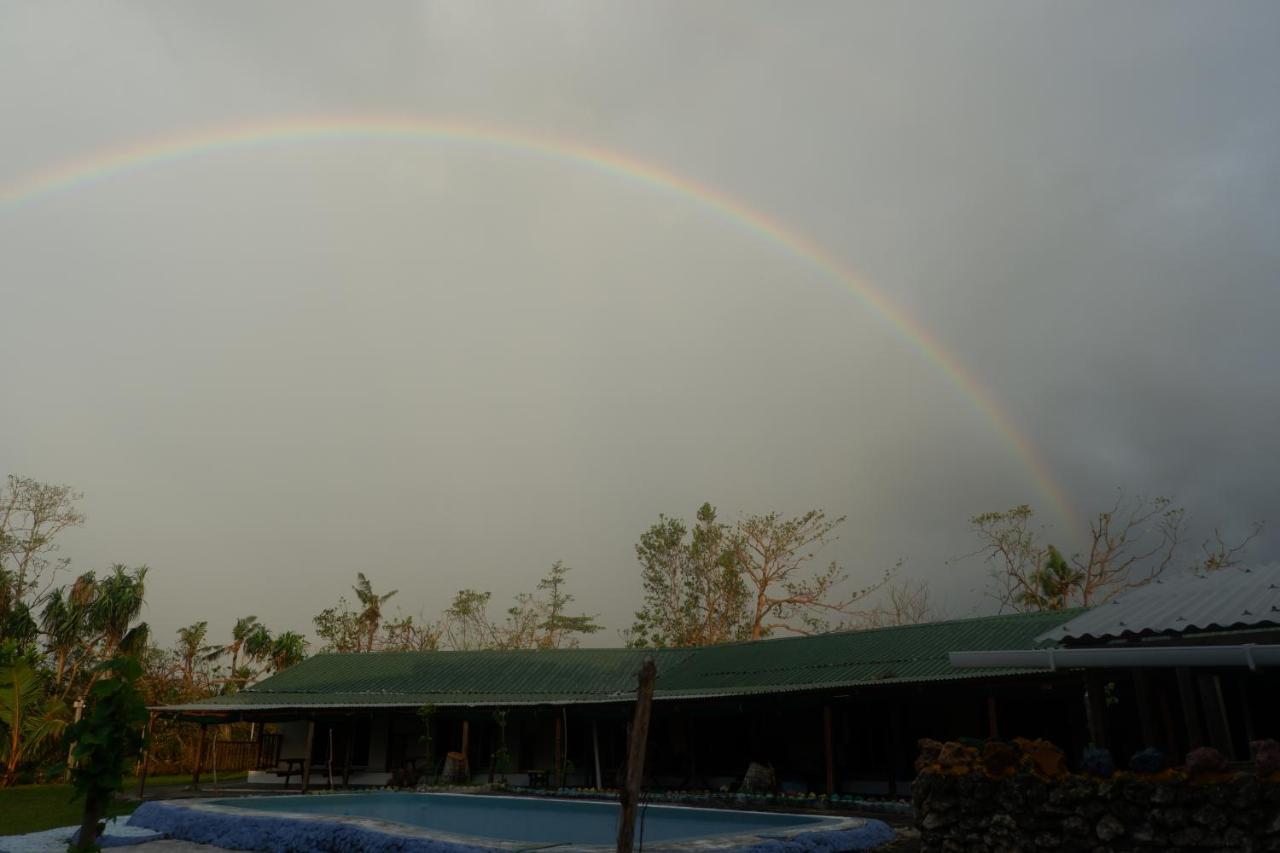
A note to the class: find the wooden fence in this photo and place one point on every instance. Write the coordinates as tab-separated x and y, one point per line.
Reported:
232	755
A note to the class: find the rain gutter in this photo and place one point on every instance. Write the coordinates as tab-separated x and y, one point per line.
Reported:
1250	655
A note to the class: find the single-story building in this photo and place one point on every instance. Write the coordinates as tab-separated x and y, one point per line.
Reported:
837	712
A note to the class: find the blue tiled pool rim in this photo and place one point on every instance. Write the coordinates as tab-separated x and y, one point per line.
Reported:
461	823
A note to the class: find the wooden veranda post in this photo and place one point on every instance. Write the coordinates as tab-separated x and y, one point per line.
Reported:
146	753
595	750
346	760
559	762
1146	706
827	750
1096	708
1190	710
306	756
195	776
635	756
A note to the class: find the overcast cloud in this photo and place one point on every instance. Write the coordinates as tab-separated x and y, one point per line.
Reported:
271	367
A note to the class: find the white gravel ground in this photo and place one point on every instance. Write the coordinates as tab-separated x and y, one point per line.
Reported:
56	840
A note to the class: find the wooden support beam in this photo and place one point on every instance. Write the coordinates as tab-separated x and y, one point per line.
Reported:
346	759
146	754
993	720
828	749
894	747
1246	708
559	762
1096	708
595	750
306	756
1215	714
1190	710
1170	728
1146	706
329	758
630	794
195	775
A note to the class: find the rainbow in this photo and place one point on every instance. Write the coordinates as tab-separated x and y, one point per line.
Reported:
112	163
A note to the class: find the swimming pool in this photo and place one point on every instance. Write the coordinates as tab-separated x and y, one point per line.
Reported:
460	823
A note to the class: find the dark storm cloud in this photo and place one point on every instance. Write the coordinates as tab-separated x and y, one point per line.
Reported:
271	368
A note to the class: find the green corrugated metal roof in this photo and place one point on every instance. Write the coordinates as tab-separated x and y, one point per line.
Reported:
909	653
568	676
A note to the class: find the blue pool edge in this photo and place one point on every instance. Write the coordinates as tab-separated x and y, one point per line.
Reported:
206	822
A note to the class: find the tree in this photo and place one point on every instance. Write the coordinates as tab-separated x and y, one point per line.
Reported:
288	649
537	620
1219	555
64	623
94	620
557	628
1131	543
693	593
906	602
466	623
340	628
405	635
191	650
249	638
772	552
106	741
32	515
371	614
29	717
117	601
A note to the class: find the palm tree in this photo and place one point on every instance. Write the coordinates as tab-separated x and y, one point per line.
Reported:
63	624
288	649
117	601
28	716
191	646
371	615
240	634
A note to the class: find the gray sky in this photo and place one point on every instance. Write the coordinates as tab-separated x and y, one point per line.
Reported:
450	365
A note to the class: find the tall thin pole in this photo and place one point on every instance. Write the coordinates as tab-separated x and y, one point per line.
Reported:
595	749
146	754
195	776
827	750
635	756
306	756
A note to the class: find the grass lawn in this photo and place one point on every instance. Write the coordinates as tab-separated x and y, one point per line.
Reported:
31	808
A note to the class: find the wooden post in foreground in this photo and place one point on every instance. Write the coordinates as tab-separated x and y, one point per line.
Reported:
630	793
146	753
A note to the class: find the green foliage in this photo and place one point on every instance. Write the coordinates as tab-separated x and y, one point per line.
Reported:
288	649
109	736
29	718
557	627
693	592
371	614
340	628
1051	584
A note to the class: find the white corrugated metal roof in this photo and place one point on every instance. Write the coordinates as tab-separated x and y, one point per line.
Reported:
1242	597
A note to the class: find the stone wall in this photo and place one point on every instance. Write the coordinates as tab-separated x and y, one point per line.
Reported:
1003	797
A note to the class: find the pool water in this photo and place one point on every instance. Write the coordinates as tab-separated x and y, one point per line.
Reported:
529	820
